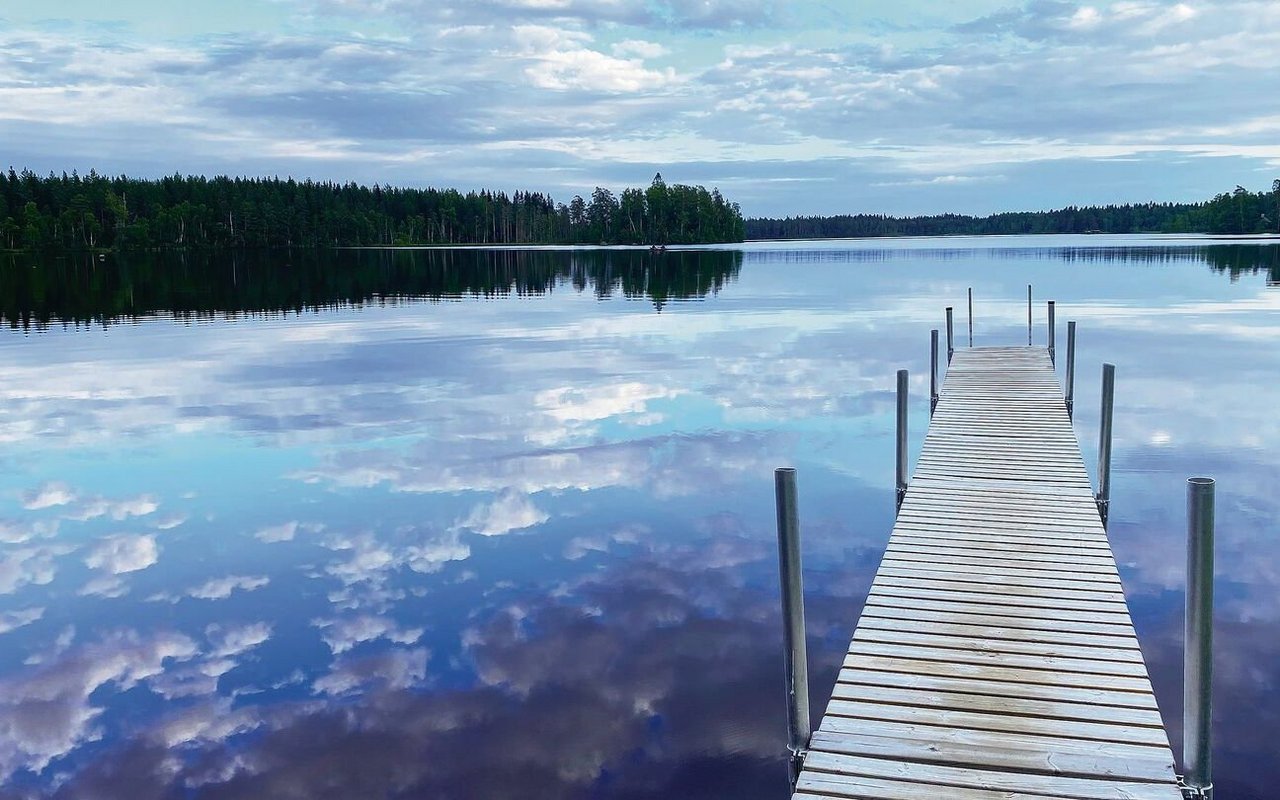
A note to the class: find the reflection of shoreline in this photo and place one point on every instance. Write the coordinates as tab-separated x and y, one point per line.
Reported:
38	292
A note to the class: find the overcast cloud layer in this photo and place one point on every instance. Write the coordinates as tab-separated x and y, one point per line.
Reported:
799	107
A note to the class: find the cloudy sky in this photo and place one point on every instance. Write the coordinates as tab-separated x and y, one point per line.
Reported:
912	106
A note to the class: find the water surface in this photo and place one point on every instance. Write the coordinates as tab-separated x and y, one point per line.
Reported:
499	523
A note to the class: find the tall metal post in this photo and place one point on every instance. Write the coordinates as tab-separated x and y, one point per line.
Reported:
933	370
971	316
1028	315
799	728
1052	329
1104	441
951	347
1197	670
1071	367
902	436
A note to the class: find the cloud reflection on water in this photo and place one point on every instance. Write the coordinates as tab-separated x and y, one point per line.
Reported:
524	546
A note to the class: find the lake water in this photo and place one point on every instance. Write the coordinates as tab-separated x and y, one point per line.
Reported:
500	523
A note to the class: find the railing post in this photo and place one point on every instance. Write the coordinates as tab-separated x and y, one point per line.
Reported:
971	316
1052	330
1028	315
799	728
933	370
1104	442
1197	670
902	437
1071	367
951	347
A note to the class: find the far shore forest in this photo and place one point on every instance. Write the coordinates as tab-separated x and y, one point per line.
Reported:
95	212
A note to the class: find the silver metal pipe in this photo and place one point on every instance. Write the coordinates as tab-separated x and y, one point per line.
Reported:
1052	330
971	316
1028	315
1104	442
951	347
933	370
796	657
1197	670
1071	367
902	435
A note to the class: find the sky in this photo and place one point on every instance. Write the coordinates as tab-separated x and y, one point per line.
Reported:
807	107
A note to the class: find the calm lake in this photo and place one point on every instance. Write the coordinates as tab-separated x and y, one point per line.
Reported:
499	524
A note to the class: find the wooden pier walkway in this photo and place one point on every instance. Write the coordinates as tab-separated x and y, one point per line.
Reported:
995	657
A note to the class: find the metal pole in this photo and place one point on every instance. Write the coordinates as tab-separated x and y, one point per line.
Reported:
1052	330
1028	315
971	316
933	370
799	728
1197	670
902	436
951	348
1071	367
1104	441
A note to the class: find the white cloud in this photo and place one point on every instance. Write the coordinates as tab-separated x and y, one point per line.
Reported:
124	553
510	511
94	507
211	721
221	588
396	669
562	61
230	640
10	620
28	565
343	634
46	713
54	493
283	532
22	531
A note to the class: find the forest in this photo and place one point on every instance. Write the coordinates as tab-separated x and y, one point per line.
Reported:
1239	212
94	212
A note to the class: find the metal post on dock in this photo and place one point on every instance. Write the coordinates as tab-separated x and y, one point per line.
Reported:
951	347
971	316
1071	367
1197	670
1028	315
1104	441
1052	329
796	657
933	370
902	435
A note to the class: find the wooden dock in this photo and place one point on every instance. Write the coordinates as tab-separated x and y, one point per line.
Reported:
995	657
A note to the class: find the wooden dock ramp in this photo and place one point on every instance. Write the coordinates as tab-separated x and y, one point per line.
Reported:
995	657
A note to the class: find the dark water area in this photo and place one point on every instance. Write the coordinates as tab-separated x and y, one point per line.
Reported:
499	523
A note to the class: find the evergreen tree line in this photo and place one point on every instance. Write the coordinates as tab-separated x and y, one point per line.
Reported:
81	288
72	212
1235	213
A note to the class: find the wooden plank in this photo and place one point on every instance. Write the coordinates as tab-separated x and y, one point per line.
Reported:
1128	760
1005	566
1048	663
1013	625
1011	612
1031	605
950	639
997	689
940	775
991	587
963	572
1009	706
1088	759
